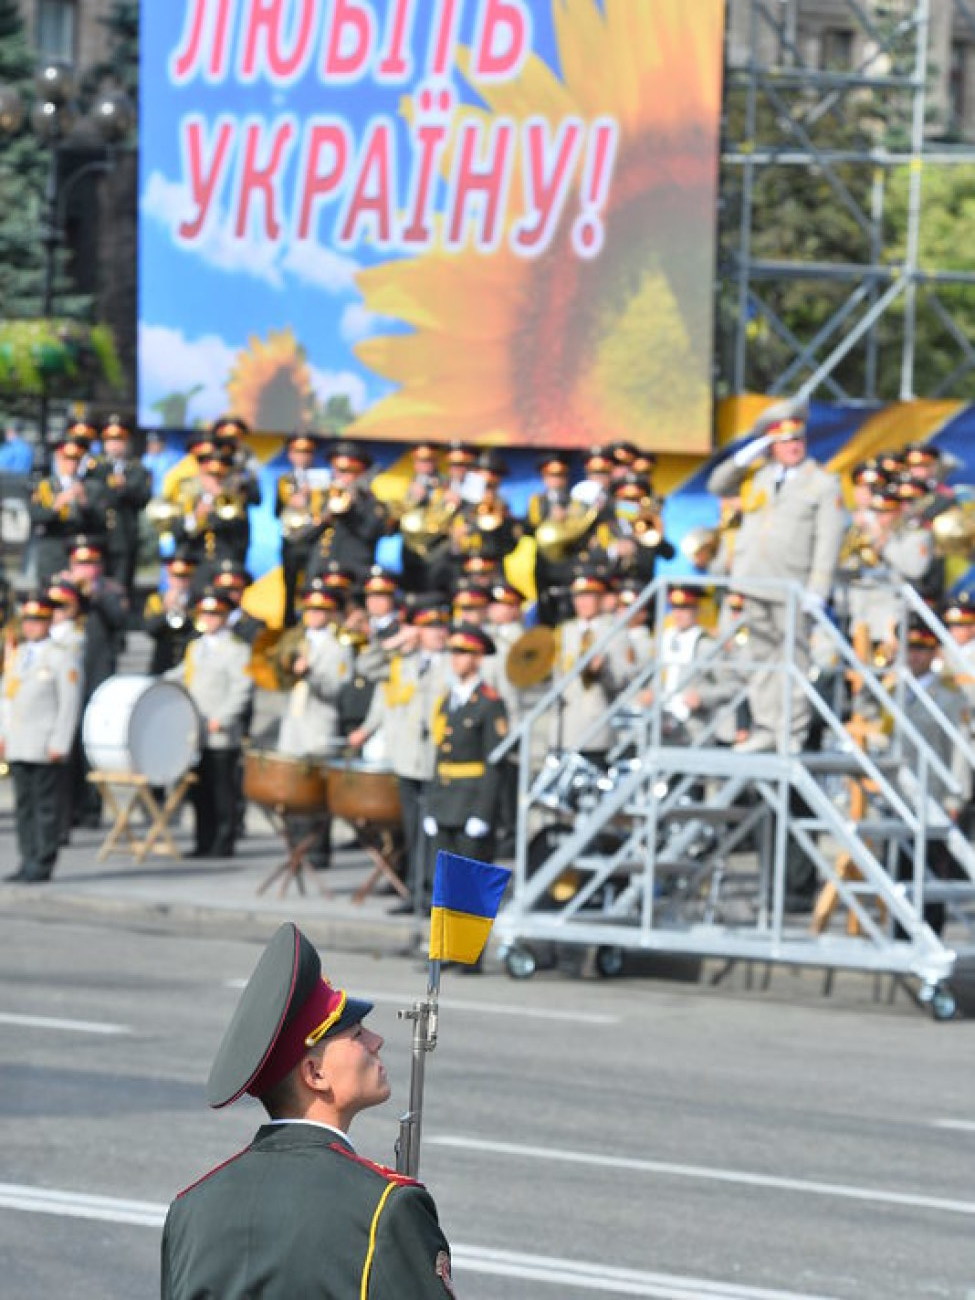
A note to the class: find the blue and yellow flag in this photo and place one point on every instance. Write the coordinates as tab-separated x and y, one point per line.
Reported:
466	898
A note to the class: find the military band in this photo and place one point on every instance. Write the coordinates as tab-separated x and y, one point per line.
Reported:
358	665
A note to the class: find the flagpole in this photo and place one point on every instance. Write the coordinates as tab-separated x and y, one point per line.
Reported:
424	1017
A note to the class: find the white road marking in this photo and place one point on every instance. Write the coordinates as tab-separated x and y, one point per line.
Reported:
958	1125
489	1008
602	1279
667	1169
73	1026
79	1205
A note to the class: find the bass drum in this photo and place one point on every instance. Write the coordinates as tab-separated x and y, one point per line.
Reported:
363	792
142	725
288	785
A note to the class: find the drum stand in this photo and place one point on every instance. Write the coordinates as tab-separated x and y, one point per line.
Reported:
380	843
135	791
295	865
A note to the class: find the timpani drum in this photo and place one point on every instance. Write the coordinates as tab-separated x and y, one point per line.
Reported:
288	785
361	791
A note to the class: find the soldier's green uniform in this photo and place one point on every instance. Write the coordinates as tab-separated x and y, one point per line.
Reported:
298	1214
469	721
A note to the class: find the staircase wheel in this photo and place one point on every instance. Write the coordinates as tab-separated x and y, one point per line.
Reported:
520	962
609	962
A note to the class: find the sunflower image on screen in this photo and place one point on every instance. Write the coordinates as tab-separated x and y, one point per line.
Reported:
548	341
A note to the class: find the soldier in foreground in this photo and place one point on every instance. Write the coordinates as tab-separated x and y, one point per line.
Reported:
298	1213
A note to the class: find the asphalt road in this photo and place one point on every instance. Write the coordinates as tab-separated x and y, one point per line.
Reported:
631	1138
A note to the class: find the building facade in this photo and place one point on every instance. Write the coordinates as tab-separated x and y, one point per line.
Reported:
835	36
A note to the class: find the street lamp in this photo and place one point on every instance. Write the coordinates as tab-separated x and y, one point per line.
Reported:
54	118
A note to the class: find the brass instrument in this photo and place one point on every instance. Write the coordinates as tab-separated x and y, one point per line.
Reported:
954	530
424	525
701	545
555	538
352	636
228	507
531	658
338	500
648	529
489	514
859	550
163	515
296	523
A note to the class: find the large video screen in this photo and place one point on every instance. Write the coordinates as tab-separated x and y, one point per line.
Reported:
489	220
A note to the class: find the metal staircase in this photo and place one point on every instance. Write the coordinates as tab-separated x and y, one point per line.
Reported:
684	845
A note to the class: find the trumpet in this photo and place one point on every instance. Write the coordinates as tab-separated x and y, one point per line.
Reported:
648	527
338	500
228	507
489	514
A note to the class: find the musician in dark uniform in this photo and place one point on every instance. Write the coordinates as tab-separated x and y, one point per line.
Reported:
484	528
125	487
298	1214
63	504
553	572
105	608
229	434
298	505
354	518
425	493
168	615
214	524
468	722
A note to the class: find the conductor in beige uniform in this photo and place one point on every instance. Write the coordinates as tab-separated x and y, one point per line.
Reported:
793	524
41	707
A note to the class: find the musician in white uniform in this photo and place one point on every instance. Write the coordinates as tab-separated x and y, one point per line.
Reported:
322	665
587	696
41	705
215	672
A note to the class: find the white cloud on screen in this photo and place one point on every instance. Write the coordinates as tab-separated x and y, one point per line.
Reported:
170	363
330	383
272	262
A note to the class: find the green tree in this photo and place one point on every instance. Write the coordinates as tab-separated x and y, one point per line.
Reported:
120	67
23	169
846	215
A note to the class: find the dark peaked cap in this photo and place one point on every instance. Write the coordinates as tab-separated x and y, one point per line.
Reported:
285	1002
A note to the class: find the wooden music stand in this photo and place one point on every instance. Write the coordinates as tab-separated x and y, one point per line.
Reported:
136	792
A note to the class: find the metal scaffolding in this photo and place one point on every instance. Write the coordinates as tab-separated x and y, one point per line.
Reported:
784	117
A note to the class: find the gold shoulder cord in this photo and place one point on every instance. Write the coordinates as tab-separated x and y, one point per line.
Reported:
373	1229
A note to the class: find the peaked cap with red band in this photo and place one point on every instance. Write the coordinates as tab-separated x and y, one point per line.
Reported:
286	1008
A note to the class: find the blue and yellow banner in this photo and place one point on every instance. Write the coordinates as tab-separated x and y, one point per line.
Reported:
466	898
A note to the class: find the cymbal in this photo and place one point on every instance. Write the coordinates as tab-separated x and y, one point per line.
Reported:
531	657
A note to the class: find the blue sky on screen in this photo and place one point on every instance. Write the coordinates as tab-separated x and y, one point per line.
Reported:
201	302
